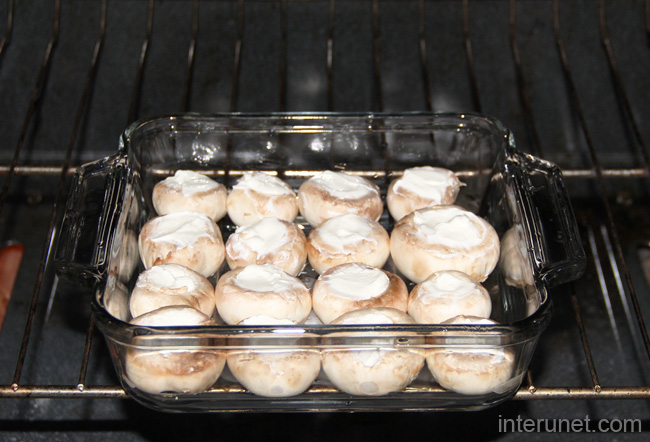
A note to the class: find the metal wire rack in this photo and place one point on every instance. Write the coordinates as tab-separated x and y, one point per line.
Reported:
613	289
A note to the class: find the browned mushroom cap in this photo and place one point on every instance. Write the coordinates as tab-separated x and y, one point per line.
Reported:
268	241
447	294
171	284
189	191
257	195
330	194
444	238
421	187
190	239
353	286
348	238
261	290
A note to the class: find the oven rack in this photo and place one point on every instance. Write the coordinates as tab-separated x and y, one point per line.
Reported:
612	282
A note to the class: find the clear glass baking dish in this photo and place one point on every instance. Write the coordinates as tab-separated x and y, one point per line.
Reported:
523	197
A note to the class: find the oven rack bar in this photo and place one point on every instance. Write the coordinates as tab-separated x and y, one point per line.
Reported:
582	173
524	393
597	172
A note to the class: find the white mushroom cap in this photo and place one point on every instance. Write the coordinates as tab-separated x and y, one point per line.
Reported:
447	294
261	290
513	261
274	372
444	238
277	372
348	238
189	191
353	286
158	369
126	255
471	371
190	239
258	195
375	370
268	241
171	284
421	187
330	194
116	299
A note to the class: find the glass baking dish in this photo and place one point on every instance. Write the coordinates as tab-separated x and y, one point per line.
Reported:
523	197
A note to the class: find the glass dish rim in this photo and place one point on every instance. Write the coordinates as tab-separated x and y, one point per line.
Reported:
304	115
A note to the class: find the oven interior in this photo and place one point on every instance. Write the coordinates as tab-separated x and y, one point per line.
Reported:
569	78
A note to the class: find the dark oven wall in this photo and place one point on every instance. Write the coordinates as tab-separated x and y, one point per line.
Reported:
569	78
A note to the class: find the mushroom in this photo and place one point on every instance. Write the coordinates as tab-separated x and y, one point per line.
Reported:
353	286
155	365
376	367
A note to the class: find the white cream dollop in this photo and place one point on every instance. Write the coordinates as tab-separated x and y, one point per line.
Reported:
345	229
181	228
190	183
358	282
167	276
263	183
266	278
428	181
342	185
446	285
450	226
263	236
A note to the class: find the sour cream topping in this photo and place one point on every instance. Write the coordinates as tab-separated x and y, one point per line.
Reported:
447	285
266	278
342	185
181	228
357	282
344	230
426	181
168	276
190	182
263	183
263	236
450	226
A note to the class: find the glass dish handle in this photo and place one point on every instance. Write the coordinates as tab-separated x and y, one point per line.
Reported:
547	219
92	211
